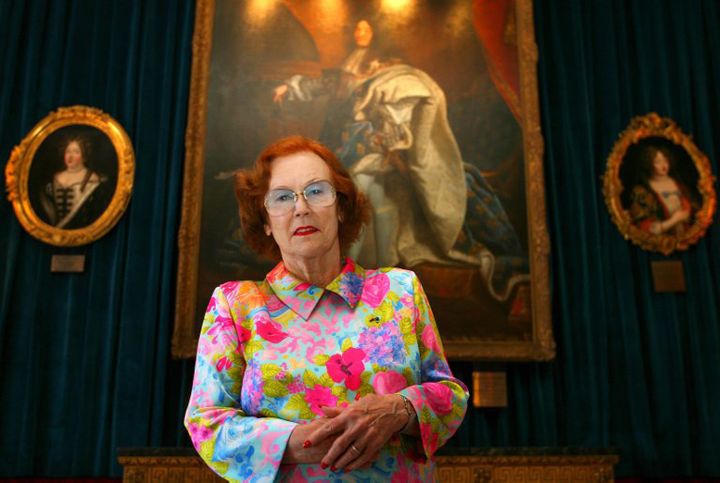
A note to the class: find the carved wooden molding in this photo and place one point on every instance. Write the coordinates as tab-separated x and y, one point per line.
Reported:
460	469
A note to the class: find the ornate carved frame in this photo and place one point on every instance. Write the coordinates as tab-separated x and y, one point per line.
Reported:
17	174
653	125
542	345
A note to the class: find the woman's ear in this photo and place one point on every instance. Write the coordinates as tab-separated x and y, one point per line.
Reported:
268	231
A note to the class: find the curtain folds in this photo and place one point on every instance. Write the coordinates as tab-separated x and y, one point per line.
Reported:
636	370
86	366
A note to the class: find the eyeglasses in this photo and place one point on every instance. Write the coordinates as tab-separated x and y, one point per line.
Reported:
281	201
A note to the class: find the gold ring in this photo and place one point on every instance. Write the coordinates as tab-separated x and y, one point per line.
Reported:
352	447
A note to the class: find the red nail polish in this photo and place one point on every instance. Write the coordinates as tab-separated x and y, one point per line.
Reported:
333	468
307	443
323	466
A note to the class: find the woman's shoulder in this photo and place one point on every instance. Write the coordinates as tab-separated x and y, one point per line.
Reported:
239	296
642	194
232	288
402	276
640	189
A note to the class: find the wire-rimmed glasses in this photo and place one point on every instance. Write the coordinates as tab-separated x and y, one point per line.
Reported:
282	200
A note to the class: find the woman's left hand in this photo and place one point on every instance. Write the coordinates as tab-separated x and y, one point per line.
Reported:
361	430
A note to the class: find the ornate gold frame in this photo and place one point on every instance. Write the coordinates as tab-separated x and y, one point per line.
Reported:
542	345
647	126
17	173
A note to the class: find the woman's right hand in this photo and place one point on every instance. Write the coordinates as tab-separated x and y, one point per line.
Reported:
675	219
666	225
297	453
681	215
360	430
279	93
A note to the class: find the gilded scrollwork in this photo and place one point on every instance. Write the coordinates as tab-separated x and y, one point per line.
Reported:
61	195
184	336
658	186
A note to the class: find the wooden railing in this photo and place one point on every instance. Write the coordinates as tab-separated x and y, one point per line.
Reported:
181	465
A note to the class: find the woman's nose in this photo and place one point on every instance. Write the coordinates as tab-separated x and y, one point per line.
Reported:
301	206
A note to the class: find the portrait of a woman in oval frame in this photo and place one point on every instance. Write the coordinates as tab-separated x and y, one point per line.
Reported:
71	178
658	186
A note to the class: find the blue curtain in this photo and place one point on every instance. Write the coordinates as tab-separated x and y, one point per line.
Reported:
85	357
636	370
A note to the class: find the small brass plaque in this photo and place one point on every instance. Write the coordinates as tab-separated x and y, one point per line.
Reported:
668	276
490	389
67	263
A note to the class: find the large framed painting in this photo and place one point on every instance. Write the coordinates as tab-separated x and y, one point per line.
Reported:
71	177
431	106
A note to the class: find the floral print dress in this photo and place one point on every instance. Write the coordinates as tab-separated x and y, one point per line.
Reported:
272	353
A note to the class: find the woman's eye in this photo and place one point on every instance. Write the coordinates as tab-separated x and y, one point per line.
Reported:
281	197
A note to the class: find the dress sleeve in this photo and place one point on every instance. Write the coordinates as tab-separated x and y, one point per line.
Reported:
643	207
236	446
440	399
304	89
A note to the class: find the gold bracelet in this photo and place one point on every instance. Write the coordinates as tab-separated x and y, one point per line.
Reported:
408	409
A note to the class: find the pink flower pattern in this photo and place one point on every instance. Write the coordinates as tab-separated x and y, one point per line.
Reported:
439	397
320	396
347	367
273	353
389	382
429	339
375	290
271	331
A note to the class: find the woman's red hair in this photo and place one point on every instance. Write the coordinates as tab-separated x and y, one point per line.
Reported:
251	185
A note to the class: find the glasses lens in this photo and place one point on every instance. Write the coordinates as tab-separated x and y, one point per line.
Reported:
320	193
279	201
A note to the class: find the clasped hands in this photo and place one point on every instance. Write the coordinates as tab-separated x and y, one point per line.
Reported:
351	437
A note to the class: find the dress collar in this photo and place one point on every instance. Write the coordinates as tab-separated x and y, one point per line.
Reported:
302	297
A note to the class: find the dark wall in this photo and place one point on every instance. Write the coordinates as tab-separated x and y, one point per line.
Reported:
85	357
85	366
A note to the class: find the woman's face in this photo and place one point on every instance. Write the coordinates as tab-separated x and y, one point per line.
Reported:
306	231
363	34
661	165
73	156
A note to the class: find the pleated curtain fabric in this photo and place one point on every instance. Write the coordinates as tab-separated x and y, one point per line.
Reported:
636	370
85	357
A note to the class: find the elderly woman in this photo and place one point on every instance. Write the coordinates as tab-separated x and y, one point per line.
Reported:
323	370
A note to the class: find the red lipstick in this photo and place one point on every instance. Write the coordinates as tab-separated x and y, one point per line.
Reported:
305	230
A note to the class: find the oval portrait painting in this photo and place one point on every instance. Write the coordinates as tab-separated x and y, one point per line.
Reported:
71	177
658	186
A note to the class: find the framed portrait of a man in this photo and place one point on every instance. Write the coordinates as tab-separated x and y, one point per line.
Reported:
71	178
431	107
658	186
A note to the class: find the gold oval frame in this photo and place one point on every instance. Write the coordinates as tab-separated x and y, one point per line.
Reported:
17	174
652	125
